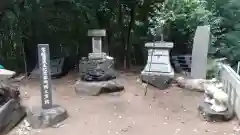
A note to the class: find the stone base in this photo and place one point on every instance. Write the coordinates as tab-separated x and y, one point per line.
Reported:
97	55
96	88
11	113
209	115
43	118
160	81
105	64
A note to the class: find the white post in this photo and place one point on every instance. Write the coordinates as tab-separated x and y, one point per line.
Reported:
238	66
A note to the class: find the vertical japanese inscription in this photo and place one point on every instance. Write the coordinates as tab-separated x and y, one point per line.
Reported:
45	78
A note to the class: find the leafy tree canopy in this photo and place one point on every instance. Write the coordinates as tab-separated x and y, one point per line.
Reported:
129	23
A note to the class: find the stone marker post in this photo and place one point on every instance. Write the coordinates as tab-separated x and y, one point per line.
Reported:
45	78
200	52
158	70
97	35
49	114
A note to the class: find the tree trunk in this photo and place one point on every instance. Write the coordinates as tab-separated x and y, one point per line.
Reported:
129	36
109	37
121	24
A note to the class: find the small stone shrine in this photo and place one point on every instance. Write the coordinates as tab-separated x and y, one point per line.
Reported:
48	115
158	70
97	70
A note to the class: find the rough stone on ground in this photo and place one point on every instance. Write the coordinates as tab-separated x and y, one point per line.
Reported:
96	88
207	114
24	128
43	118
10	114
160	81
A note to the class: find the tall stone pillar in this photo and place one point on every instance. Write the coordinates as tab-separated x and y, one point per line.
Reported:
200	52
49	114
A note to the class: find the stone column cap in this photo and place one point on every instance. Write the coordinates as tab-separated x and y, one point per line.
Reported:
97	33
159	44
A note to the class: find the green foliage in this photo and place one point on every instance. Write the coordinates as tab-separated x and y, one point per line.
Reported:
129	23
11	46
227	35
63	24
60	24
181	18
212	69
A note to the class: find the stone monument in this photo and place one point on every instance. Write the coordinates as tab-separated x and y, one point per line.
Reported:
97	70
49	114
200	52
158	70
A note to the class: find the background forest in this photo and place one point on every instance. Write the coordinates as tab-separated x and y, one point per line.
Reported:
129	23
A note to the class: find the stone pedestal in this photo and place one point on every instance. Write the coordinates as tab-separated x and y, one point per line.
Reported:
158	80
43	118
97	55
158	70
105	64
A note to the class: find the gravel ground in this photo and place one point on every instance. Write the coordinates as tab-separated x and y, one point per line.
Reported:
166	112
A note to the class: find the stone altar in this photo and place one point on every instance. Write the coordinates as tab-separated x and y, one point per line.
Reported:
158	70
97	74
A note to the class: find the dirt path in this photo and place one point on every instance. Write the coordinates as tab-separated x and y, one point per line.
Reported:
169	112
